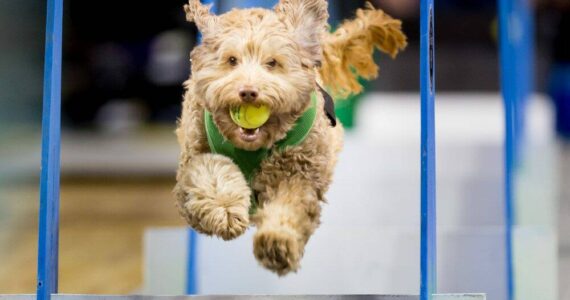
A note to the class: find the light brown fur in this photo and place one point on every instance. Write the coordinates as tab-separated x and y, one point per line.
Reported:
212	194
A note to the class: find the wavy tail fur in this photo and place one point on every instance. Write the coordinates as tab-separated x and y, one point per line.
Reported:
348	52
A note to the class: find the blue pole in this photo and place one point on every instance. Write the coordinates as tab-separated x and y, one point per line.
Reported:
49	179
516	43
509	27
525	64
428	254
191	270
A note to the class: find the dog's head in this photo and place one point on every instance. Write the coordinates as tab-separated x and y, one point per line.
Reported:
258	56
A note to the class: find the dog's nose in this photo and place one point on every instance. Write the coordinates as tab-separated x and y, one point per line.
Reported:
248	93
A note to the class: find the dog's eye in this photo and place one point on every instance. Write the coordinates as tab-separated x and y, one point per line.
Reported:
272	63
232	61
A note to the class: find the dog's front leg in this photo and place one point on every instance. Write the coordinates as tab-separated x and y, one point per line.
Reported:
288	216
213	196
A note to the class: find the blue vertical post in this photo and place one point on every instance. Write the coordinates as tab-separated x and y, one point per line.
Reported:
49	179
428	255
508	90
191	282
191	255
525	68
516	52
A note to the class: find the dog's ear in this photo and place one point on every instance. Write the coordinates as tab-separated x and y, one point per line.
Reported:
200	14
307	19
348	53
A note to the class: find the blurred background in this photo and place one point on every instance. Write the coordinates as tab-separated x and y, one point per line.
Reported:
124	62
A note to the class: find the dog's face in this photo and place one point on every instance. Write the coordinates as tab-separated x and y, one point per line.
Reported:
258	56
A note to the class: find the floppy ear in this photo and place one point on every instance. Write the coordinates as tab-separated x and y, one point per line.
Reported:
307	19
200	14
348	53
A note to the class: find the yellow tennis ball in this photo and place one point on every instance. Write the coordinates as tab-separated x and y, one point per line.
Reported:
250	116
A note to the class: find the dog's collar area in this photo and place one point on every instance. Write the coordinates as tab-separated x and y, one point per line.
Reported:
250	161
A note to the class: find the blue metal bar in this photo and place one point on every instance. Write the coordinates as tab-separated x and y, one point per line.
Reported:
428	255
509	31
49	180
516	41
191	270
525	72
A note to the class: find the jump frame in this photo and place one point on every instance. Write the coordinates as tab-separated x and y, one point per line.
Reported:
515	66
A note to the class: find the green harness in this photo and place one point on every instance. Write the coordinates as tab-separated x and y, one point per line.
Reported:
250	161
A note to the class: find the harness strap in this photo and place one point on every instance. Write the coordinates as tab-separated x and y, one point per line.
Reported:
250	161
329	106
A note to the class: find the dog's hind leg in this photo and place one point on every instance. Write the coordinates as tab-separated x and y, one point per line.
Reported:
289	215
213	196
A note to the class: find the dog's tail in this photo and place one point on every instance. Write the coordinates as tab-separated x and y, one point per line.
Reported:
348	52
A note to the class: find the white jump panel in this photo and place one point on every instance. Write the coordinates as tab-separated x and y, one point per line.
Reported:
338	261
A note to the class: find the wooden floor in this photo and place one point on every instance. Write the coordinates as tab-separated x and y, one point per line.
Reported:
102	225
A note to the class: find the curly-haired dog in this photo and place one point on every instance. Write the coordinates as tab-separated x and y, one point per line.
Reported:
275	176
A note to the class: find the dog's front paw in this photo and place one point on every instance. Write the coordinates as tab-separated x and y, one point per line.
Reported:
214	196
278	250
222	220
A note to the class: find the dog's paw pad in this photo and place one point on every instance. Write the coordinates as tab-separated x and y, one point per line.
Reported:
278	250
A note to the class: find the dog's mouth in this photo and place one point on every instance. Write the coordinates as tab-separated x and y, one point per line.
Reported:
249	135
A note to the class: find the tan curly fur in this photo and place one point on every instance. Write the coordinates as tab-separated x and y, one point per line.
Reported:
281	53
348	52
